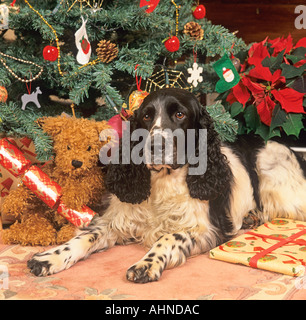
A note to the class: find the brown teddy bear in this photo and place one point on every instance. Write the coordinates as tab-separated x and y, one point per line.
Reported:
75	168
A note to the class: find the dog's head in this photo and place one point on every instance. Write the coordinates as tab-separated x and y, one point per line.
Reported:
75	141
173	119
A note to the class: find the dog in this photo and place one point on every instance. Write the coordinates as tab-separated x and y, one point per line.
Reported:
178	214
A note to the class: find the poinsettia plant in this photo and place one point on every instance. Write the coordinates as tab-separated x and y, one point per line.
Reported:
270	97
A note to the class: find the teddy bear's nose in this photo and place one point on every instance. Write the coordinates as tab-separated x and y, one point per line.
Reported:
76	163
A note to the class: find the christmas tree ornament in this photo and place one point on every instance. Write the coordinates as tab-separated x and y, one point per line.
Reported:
3	94
172	44
50	53
236	63
82	44
31	97
94	4
4	17
194	30
135	99
199	12
137	96
167	78
195	74
227	73
151	4
22	61
107	51
54	32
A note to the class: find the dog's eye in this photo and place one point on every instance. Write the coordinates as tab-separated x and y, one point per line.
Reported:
89	148
146	117
180	115
68	148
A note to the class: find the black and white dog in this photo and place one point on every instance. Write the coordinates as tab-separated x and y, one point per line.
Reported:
177	214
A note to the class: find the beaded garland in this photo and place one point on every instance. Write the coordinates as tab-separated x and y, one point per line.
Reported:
23	61
54	32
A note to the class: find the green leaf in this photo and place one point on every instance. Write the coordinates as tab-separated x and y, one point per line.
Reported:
251	117
266	132
279	116
299	52
293	124
274	62
236	108
289	71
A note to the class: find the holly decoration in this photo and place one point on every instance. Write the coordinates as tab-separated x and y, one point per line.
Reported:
50	53
199	12
172	44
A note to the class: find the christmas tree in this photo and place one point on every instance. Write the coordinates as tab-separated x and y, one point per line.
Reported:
86	54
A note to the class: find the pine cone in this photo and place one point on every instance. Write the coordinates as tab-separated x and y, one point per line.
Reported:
107	51
194	30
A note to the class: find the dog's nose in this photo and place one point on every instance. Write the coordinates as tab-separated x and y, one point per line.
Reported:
77	164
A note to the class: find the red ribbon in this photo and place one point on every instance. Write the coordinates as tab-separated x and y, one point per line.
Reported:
138	83
254	259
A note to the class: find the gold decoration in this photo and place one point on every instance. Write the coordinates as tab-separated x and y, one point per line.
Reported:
107	51
194	30
167	78
94	4
22	61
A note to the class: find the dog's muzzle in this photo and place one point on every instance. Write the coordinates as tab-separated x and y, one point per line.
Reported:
161	151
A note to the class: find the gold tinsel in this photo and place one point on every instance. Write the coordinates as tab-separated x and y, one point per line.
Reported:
107	51
194	30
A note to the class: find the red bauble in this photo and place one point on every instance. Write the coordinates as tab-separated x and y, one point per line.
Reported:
199	12
172	44
50	53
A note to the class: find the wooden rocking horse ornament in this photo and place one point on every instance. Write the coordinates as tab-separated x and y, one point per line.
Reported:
31	97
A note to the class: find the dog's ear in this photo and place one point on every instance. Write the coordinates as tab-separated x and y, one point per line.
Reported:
129	182
217	176
53	125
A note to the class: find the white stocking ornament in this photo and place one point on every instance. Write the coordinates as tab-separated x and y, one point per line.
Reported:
82	44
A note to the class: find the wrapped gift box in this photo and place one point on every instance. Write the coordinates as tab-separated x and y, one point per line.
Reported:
279	246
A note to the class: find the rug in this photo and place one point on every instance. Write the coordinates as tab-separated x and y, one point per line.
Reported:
102	277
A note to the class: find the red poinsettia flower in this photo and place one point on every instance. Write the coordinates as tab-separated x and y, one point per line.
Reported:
264	88
279	44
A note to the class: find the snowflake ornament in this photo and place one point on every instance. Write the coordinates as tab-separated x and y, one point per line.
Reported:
195	74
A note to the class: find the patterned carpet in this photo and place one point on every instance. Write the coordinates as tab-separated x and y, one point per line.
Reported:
102	277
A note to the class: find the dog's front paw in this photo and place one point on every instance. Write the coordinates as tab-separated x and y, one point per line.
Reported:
49	262
39	268
143	272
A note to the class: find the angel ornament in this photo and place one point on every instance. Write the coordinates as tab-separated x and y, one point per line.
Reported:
195	74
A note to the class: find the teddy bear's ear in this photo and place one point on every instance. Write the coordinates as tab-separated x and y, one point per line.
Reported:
102	125
52	125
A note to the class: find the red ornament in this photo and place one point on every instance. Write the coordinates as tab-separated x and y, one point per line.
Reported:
172	44
199	12
50	53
